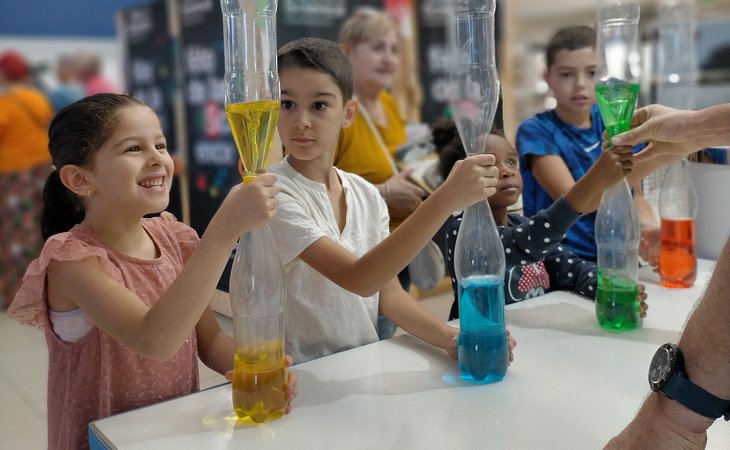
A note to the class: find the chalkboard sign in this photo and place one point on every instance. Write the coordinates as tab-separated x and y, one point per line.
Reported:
320	18
432	51
149	71
212	154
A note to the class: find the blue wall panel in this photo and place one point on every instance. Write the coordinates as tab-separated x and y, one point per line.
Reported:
67	18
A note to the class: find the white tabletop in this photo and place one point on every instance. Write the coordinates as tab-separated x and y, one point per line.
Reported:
572	385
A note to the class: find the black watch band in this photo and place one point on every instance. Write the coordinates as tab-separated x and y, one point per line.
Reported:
684	391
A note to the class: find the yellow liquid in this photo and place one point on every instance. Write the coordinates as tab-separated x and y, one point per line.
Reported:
259	383
253	125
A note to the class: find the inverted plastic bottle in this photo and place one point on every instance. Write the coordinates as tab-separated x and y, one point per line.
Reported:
479	260
675	45
678	210
618	63
257	285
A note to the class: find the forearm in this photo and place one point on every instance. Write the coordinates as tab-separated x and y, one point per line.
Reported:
711	126
705	341
583	196
169	322
641	169
404	310
384	261
219	353
647	218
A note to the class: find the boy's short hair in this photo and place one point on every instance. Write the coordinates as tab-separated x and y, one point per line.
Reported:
321	55
570	38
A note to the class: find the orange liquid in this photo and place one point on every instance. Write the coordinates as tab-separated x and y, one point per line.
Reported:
259	384
677	260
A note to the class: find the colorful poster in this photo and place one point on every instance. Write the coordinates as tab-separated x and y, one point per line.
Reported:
149	72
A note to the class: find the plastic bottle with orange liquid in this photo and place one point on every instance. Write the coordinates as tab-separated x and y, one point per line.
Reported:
678	210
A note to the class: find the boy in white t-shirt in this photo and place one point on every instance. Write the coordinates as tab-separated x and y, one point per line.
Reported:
331	227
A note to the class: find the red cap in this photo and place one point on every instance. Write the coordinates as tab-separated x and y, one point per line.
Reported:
13	66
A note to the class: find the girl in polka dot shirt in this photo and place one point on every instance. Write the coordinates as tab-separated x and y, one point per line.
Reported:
536	262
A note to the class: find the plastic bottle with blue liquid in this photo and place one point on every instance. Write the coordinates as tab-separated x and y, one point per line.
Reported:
479	260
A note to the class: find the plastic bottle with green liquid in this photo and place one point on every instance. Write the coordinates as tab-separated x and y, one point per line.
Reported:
617	229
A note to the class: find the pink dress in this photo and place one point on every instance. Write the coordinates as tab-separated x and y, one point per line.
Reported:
96	376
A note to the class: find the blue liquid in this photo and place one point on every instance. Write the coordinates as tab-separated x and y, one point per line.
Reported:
483	351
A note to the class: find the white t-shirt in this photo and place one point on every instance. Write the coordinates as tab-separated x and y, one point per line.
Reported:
321	317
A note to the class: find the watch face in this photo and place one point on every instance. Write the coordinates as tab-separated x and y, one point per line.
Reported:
661	366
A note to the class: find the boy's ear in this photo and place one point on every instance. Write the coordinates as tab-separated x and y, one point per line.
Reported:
351	108
346	49
76	180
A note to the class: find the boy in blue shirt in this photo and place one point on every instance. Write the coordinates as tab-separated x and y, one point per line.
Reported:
557	147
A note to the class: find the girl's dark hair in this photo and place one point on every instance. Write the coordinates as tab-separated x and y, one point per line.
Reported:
74	136
448	144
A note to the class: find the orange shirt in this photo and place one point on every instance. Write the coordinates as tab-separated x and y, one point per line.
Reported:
25	114
358	150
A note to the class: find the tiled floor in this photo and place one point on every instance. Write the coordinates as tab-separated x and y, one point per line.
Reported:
23	377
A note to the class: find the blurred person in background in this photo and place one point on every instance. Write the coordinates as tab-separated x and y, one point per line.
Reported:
90	73
70	88
368	146
25	163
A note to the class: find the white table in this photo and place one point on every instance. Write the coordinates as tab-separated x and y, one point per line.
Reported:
572	386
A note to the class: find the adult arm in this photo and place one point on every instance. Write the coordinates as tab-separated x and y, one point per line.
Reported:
676	132
662	423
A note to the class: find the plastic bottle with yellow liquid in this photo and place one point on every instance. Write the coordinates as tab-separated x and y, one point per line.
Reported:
257	286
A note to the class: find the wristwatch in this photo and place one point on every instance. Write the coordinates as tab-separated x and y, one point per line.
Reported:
667	376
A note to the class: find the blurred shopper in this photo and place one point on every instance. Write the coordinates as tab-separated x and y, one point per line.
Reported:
90	72
70	88
25	163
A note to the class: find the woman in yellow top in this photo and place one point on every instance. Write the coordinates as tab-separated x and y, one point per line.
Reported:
24	166
370	40
367	147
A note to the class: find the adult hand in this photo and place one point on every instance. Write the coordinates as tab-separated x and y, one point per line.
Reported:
665	129
292	386
401	193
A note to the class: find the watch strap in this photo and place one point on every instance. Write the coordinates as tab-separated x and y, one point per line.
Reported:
684	391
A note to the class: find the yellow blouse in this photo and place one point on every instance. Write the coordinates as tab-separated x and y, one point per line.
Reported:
358	150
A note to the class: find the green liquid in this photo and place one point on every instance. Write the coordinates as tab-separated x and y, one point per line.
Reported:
616	100
617	306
